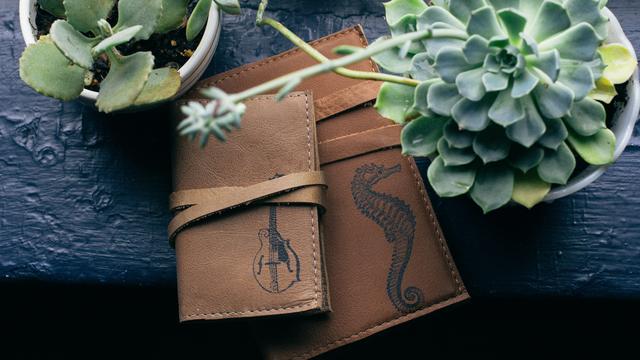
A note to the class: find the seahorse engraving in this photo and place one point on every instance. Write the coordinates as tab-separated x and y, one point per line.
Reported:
398	222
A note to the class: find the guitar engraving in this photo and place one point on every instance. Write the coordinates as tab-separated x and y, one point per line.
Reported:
276	266
398	222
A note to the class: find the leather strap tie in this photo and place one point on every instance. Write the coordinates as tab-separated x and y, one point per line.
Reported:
299	188
362	143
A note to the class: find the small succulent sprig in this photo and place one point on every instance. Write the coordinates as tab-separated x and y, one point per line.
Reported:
286	84
501	94
200	14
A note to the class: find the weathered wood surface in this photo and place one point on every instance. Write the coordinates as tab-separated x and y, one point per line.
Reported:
83	197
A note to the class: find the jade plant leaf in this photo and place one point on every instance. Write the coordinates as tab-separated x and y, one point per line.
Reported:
45	68
395	101
85	14
162	85
173	15
125	81
619	61
597	149
420	136
557	166
198	19
450	181
493	187
121	37
135	12
53	7
529	190
73	44
396	9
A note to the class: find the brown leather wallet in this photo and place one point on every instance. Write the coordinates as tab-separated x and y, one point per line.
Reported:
246	227
387	261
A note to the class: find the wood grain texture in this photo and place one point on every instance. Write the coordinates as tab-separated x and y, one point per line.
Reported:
83	197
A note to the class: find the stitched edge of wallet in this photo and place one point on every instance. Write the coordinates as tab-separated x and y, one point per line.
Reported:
355	29
459	295
313	213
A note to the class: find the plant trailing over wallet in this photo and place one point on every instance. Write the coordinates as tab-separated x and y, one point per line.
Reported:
247	232
503	95
387	261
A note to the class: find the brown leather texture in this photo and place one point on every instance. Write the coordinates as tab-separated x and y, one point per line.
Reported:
246	229
332	94
386	257
387	260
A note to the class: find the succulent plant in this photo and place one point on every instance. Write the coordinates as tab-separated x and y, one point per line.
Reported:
60	64
502	94
504	111
200	15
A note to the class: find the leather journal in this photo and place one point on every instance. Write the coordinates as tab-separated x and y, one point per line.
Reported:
246	227
386	258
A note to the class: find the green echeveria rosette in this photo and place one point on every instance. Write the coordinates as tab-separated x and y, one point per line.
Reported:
504	111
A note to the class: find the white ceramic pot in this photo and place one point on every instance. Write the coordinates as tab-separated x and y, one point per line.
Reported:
624	121
190	72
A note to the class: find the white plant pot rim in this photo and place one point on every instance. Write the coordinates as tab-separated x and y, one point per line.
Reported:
623	124
190	72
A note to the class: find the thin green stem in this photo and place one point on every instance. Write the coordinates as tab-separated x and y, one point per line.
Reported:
356	57
318	56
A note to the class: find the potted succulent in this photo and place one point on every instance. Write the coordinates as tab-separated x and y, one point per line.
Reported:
118	53
508	97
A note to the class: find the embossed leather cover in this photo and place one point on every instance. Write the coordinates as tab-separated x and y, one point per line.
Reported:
387	261
263	256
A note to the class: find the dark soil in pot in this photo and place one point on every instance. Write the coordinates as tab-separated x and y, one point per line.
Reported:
170	49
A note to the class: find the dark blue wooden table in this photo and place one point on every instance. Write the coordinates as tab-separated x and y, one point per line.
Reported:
83	197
